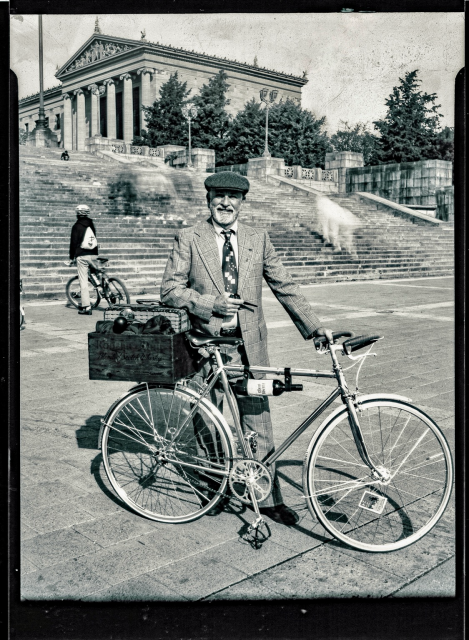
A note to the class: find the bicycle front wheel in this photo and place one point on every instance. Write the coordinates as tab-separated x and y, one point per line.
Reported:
115	292
165	457
73	292
396	510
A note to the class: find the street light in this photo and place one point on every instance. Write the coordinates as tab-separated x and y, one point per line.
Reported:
189	111
268	103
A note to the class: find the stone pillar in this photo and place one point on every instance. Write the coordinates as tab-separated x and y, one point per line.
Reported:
68	144
127	108
81	123
93	88
111	108
145	93
343	160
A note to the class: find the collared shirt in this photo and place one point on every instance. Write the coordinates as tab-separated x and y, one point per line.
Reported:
230	322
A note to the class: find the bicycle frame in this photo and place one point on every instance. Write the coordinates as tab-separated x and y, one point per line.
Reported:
220	372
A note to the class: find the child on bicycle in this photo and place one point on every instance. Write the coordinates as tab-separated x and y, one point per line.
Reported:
83	253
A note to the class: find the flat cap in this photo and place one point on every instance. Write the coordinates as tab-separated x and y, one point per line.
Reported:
227	180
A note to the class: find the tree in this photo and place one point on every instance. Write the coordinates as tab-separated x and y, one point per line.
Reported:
211	126
23	136
409	131
356	138
445	144
165	122
295	134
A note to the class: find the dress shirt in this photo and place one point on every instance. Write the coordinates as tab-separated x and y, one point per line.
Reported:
230	322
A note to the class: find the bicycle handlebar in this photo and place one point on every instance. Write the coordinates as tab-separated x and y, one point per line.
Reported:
359	342
319	341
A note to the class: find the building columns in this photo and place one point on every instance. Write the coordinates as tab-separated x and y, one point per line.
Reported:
81	123
111	108
127	108
94	129
68	144
145	94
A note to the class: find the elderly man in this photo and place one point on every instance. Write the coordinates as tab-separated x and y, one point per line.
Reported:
216	259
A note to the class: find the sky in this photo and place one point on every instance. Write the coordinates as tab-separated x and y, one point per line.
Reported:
352	60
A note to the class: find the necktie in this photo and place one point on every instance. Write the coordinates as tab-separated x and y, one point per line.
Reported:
230	271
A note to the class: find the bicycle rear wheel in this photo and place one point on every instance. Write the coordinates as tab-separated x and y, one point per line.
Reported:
162	464
371	514
73	292
115	292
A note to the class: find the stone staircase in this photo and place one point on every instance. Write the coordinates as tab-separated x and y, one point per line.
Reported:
138	208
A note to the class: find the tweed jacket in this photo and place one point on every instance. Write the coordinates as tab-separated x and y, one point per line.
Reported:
193	279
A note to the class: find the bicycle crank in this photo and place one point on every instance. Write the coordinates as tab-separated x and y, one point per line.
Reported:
249	475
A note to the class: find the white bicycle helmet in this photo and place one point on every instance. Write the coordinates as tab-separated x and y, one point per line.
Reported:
82	210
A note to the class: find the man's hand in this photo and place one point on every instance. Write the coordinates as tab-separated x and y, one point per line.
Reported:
321	331
226	306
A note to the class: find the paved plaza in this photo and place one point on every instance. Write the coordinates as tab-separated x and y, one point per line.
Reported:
79	542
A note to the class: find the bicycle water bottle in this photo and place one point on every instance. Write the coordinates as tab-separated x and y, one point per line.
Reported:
264	388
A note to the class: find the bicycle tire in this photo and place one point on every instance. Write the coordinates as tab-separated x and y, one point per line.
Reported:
73	292
371	515
117	293
145	457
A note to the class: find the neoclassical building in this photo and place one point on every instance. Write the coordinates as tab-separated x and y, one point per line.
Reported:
107	81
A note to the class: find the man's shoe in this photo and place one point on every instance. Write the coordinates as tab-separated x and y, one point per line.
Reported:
85	312
281	513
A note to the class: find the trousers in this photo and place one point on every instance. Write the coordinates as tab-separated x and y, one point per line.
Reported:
254	413
83	262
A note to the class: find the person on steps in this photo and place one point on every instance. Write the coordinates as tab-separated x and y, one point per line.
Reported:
65	155
83	253
220	258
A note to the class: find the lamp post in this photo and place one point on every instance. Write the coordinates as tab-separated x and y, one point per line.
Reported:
268	101
189	111
41	122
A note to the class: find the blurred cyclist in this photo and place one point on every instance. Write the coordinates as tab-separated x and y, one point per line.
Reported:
83	253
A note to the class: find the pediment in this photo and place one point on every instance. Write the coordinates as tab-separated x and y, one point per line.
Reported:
97	48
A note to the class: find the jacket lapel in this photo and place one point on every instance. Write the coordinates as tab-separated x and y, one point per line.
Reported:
205	240
245	253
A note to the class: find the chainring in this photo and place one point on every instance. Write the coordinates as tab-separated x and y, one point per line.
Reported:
247	473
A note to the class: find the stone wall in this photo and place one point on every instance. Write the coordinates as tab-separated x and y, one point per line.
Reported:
407	183
445	204
342	161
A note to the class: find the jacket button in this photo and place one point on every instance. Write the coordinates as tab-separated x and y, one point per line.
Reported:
215	332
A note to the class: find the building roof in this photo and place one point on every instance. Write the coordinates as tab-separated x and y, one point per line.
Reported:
174	52
47	93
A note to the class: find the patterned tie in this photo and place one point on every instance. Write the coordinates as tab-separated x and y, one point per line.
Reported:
230	271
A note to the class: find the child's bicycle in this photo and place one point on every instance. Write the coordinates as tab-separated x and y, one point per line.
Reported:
22	316
100	286
377	473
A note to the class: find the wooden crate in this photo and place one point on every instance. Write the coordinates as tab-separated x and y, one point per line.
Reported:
139	358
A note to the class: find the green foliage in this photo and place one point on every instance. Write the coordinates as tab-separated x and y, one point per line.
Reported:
356	138
142	140
165	122
444	144
295	134
211	126
409	131
23	136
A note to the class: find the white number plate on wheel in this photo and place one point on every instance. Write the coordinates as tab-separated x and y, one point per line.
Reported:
372	502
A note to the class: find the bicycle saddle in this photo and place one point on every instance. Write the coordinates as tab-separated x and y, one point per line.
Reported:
198	339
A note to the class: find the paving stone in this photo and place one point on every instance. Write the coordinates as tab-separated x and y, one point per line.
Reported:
325	572
99	505
52	518
198	576
114	528
51	548
63	581
26	567
144	588
243	556
252	588
440	582
46	493
27	532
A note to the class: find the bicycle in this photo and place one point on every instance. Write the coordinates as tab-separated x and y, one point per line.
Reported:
100	286
22	314
377	473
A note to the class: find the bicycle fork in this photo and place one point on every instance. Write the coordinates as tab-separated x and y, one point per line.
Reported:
378	472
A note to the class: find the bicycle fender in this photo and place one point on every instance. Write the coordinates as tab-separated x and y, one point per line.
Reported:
343	409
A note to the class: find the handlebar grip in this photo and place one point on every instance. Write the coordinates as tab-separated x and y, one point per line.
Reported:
358	343
335	334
